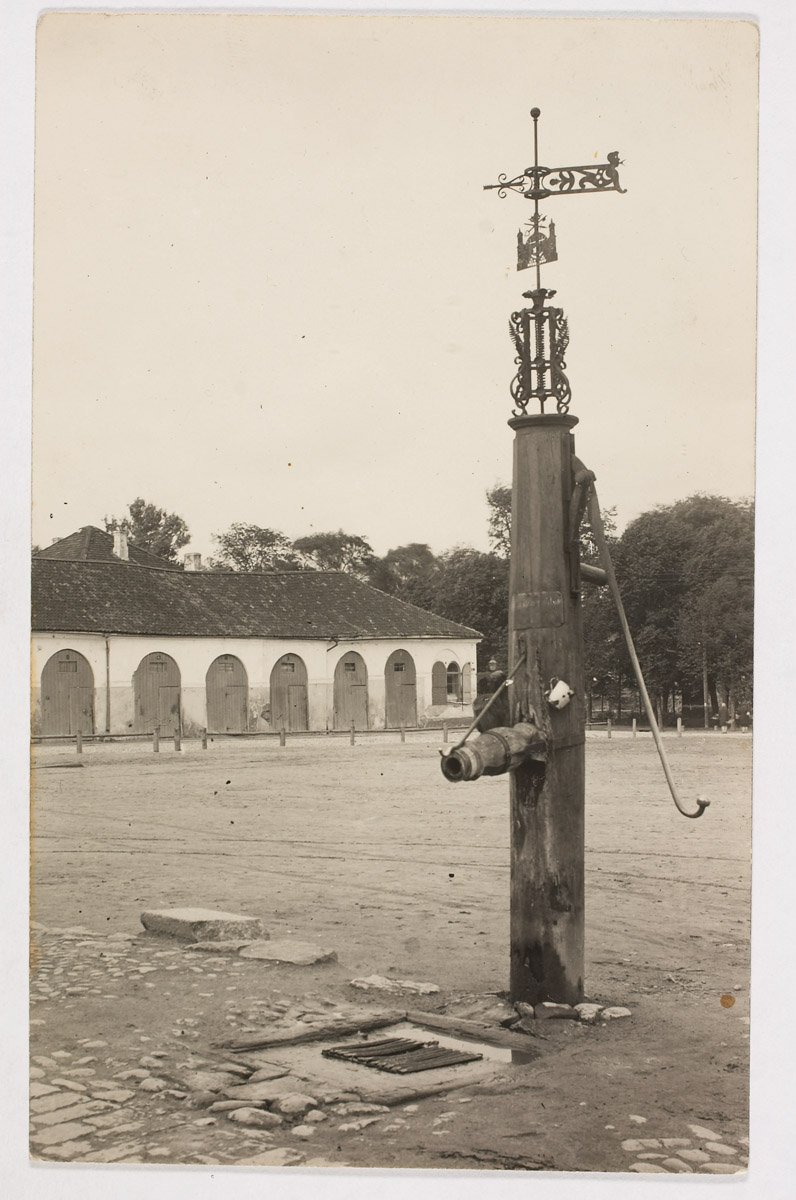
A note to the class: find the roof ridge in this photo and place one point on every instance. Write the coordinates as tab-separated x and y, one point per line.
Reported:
110	562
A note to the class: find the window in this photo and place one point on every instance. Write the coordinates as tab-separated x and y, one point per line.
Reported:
399	666
226	664
350	666
157	665
66	665
288	666
454	680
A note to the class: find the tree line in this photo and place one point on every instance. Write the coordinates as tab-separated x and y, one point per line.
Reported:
685	570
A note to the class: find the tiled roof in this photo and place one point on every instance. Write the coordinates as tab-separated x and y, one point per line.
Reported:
122	597
90	544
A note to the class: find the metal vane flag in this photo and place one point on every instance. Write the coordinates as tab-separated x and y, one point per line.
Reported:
540	333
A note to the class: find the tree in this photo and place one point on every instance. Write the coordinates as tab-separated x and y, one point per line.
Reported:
335	552
717	623
686	576
408	572
152	528
498	499
246	547
473	588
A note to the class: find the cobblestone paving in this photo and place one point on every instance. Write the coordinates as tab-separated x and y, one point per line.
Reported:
704	1151
165	1103
173	1099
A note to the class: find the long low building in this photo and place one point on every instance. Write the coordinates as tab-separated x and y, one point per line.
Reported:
123	644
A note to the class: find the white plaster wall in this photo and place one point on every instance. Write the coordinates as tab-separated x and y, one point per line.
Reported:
258	655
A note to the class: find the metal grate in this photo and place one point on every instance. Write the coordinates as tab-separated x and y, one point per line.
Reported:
401	1056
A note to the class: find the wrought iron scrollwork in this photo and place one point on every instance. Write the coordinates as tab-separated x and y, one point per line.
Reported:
540	335
538	182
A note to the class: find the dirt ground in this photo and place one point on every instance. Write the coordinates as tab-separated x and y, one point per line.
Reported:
366	850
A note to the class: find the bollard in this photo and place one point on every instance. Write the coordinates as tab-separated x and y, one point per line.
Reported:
353	733
635	727
445	732
403	734
156	740
204	739
282	737
679	726
609	726
79	741
177	739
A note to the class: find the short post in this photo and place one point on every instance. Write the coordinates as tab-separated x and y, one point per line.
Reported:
353	733
635	727
403	733
282	736
204	739
156	739
679	726
79	741
445	732
609	726
177	744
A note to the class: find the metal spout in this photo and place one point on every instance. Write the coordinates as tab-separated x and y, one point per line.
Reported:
493	753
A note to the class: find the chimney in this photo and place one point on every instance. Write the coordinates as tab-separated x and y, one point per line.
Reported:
192	562
120	543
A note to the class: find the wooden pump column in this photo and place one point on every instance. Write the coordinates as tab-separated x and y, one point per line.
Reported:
547	799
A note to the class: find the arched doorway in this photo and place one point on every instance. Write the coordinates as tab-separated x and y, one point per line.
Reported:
227	687
67	695
400	690
351	692
156	693
289	694
454	683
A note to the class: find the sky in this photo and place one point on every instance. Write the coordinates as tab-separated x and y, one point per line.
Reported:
269	286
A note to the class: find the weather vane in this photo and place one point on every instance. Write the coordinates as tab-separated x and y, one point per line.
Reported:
540	333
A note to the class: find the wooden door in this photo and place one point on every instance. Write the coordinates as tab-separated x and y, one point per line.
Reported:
67	695
168	709
439	683
400	691
156	695
351	692
297	707
289	694
227	689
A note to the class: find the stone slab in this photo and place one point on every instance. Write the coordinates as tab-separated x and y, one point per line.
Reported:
44	1104
202	924
77	1112
268	1090
380	983
65	1132
41	1089
223	945
297	954
548	1011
